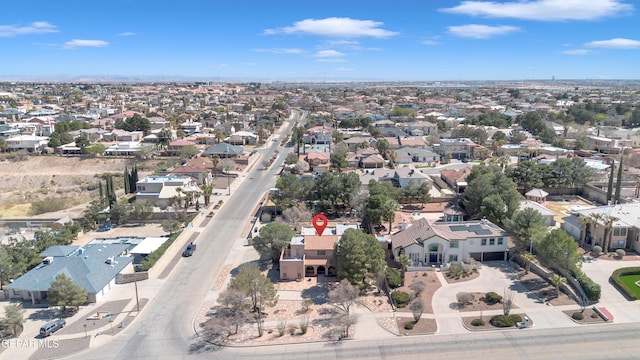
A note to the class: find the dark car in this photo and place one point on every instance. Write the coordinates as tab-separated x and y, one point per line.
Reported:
51	327
189	250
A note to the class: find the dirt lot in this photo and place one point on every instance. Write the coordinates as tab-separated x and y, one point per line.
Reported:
40	177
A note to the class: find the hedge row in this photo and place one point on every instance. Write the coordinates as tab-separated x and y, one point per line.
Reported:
615	278
590	287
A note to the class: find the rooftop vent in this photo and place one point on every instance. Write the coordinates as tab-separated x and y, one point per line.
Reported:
48	260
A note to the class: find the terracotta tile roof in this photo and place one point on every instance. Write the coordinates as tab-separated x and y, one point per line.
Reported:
315	242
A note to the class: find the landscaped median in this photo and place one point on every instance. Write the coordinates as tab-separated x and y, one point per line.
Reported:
627	280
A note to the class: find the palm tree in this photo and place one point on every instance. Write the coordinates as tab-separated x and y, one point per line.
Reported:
586	221
404	261
215	159
557	280
207	190
608	231
528	258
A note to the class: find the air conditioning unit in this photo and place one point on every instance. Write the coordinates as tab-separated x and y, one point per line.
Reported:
48	260
110	260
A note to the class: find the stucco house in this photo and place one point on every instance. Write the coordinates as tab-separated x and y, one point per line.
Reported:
310	254
590	224
427	242
160	190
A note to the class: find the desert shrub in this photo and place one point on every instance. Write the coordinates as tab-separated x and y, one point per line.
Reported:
505	320
594	315
408	326
620	253
464	298
456	271
577	315
477	322
418	287
591	288
492	297
304	325
400	298
393	277
47	205
596	250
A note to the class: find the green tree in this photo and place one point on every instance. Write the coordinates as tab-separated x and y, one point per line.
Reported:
63	292
610	185
338	161
356	255
13	317
616	197
528	258
189	151
483	182
259	289
559	251
272	239
82	142
134	123
526	175
527	227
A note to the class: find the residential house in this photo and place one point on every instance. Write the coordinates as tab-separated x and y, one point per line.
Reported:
197	171
94	267
412	141
242	138
161	190
367	158
176	146
590	224
224	151
456	178
310	254
318	161
537	195
30	143
354	141
405	176
461	148
611	145
123	135
429	243
422	128
125	148
408	155
318	135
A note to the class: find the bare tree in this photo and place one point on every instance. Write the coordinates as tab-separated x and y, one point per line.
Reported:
282	326
231	313
344	295
417	307
343	322
297	214
507	301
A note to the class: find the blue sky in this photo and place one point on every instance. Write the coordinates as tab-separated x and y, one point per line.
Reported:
417	40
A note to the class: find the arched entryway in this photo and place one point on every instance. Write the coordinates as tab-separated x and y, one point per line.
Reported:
321	270
309	271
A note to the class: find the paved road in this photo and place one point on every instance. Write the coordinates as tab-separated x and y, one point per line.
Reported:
164	329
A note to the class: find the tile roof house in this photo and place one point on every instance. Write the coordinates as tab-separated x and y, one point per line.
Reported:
427	242
404	176
408	155
224	150
456	178
94	267
197	171
310	254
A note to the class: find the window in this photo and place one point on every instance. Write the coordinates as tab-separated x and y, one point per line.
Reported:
321	252
433	248
483	242
415	257
500	241
620	232
453	244
453	257
492	241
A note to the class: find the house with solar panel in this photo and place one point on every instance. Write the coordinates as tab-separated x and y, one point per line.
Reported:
427	242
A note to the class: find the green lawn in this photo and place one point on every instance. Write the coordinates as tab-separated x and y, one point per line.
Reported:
630	282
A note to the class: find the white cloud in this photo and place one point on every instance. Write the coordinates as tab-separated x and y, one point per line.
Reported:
38	27
576	52
617	43
280	51
429	42
331	60
476	31
543	10
127	33
328	54
78	43
335	27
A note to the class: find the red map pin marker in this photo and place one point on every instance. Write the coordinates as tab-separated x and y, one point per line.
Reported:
323	223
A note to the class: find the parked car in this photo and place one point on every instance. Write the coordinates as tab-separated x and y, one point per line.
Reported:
189	250
105	227
51	327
